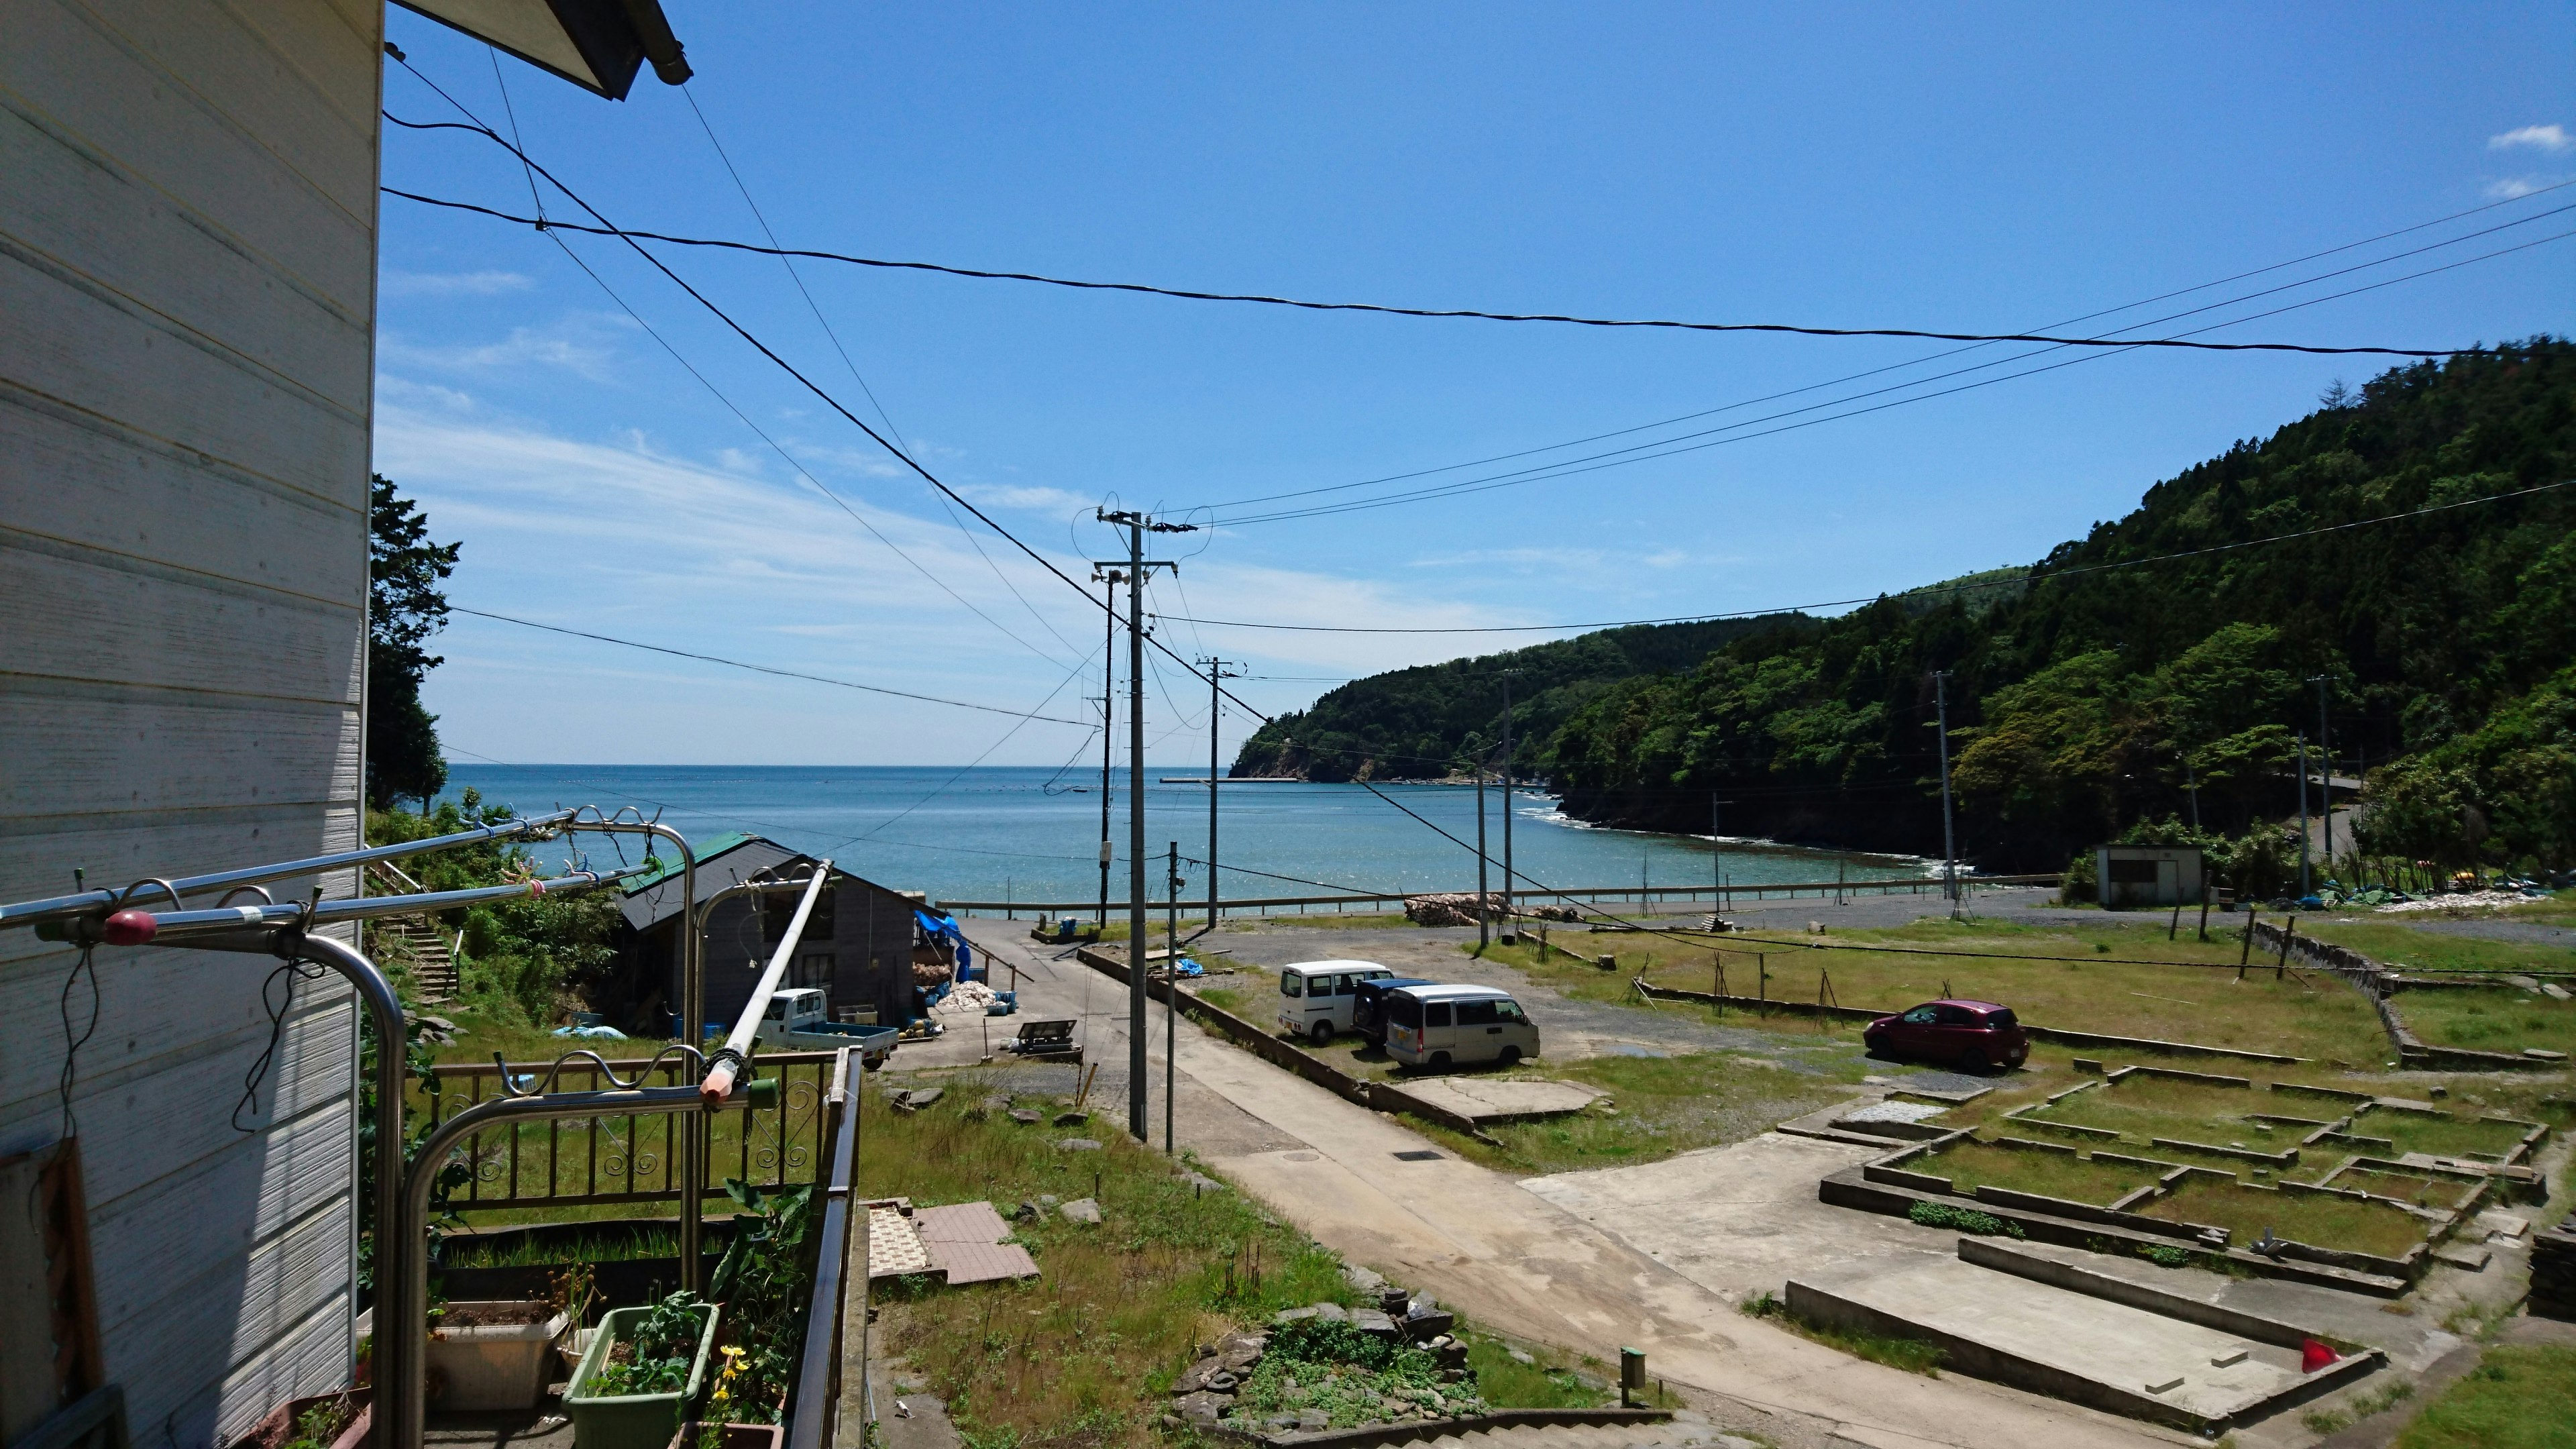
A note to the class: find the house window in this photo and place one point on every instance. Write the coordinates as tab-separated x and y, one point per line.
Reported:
777	911
812	968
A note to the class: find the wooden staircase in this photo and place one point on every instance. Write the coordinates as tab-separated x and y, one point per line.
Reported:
429	953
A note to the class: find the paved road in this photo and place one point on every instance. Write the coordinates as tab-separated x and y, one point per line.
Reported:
1520	1263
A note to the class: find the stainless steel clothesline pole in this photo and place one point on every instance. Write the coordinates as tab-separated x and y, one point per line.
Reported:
136	926
23	913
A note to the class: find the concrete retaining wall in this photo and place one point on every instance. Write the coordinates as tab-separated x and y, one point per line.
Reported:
2037	1033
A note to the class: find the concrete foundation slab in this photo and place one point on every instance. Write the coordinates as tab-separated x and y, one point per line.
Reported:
1492	1099
2087	1350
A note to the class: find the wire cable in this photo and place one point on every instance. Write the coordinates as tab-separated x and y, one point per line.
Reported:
770	669
1958	351
790	369
2036	576
1563	319
1637	454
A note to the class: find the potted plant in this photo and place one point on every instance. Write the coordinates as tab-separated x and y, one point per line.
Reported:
642	1366
493	1355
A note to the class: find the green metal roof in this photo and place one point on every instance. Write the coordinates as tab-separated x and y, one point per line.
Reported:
703	852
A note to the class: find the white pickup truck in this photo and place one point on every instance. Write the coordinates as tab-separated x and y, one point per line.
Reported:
800	1020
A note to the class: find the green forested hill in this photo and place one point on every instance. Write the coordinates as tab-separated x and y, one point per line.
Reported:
2086	701
1433	719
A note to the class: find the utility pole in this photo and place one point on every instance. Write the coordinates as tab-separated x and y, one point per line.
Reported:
1136	524
1484	926
1716	864
1949	834
1108	721
2303	816
2325	771
1216	697
2191	787
1172	989
1511	922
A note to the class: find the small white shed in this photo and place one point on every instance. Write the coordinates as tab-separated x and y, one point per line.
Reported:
2147	875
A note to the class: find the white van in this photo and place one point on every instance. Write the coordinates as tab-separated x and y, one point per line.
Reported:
1444	1026
1315	996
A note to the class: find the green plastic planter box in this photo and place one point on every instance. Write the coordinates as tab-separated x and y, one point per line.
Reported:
630	1421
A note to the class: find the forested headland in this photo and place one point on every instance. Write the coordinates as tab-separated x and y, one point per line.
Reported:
2164	664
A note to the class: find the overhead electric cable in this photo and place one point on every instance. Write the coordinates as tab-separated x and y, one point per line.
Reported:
2034	577
718	393
833	333
790	369
606	229
768	669
1637	453
1957	351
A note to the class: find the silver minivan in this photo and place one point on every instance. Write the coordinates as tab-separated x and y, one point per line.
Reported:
1315	996
1444	1026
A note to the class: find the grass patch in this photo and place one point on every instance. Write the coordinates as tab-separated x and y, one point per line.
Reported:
1657	1106
2325	1222
2519	1397
2315	1017
2391	942
1913	1355
2493	1019
2432	1192
1547	1381
619	1245
1971	1164
2439	1134
1084	1353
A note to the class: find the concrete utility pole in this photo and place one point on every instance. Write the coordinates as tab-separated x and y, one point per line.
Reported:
1511	922
1949	835
2303	816
1172	989
1136	564
1216	697
1108	721
2325	771
1716	863
1484	928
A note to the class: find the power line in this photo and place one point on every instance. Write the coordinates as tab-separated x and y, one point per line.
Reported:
790	369
1562	319
1957	351
1623	457
1019	715
1786	611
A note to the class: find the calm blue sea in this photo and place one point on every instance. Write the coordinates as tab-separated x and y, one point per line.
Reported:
1028	834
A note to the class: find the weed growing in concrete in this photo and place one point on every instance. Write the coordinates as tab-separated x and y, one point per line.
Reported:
1963	1220
1913	1355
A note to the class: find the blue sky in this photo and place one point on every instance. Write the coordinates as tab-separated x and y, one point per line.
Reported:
1964	168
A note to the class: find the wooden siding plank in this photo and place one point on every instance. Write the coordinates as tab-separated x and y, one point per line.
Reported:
337	49
112	747
78	79
84	615
164	1121
317	1355
235	72
82	344
129	1068
111	488
291	1171
229	1317
81	213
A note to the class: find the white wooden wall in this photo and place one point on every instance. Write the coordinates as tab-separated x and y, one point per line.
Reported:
187	302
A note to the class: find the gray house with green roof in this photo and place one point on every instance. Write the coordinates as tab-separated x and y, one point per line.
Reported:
858	947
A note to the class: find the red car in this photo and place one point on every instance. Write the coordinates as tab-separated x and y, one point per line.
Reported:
1974	1036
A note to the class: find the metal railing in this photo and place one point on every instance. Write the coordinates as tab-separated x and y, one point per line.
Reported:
636	1157
1728	895
814	1411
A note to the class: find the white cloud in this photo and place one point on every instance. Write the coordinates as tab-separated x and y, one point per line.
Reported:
453	284
1518	559
1665	558
2551	138
582	346
2514	186
1032	499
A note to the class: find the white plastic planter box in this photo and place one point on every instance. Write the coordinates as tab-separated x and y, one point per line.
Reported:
493	1355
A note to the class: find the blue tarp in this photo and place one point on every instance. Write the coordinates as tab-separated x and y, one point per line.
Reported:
945	927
